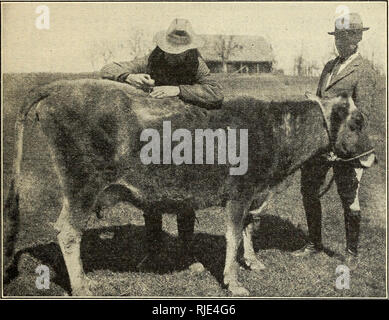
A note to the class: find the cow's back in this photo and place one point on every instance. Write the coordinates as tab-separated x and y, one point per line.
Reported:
95	128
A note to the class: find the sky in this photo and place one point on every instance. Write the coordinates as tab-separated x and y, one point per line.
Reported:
291	28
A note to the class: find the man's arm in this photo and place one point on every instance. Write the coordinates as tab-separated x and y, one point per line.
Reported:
118	71
206	92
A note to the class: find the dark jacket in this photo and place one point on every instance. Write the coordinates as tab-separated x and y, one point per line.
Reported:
357	79
206	92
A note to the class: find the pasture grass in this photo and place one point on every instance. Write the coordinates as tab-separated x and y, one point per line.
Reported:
111	261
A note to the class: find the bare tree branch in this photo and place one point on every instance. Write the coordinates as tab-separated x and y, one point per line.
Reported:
224	47
104	51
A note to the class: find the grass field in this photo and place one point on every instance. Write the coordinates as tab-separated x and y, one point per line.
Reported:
111	260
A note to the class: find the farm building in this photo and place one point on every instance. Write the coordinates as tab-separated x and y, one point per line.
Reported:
245	54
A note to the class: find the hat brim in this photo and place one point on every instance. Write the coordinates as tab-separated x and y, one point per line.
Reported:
334	32
160	41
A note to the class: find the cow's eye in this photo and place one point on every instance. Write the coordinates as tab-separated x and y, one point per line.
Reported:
352	125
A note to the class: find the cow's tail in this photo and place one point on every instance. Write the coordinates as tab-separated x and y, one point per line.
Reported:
11	208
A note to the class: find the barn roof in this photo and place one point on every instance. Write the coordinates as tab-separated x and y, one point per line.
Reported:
250	48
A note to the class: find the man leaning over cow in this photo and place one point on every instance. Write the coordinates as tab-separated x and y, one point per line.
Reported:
174	68
349	73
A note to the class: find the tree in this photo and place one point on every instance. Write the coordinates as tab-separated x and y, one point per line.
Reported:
299	65
103	51
224	48
136	45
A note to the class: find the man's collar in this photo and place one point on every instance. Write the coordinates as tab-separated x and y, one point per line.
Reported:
345	69
341	60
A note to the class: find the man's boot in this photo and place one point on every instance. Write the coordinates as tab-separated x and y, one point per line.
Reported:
352	224
185	225
313	214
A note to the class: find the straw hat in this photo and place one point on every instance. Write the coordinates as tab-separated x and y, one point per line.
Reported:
348	22
178	38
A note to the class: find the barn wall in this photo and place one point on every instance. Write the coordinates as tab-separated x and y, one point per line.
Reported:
253	67
265	67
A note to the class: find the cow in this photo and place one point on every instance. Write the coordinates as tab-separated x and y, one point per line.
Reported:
93	130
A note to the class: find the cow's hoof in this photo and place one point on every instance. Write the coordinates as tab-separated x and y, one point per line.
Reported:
238	290
83	291
254	264
84	288
197	267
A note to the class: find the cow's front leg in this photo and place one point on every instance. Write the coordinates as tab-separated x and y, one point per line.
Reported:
69	239
235	216
249	256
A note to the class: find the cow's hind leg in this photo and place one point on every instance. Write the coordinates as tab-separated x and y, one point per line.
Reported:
249	256
69	239
235	217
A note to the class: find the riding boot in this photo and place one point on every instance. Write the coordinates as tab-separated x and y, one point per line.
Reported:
185	226
352	223
153	235
346	227
153	226
313	214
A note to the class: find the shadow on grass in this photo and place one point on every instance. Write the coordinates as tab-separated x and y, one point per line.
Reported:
117	248
125	249
272	232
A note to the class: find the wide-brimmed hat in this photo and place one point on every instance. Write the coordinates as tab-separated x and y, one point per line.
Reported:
178	38
348	22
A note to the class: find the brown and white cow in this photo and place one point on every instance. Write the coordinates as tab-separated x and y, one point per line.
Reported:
93	129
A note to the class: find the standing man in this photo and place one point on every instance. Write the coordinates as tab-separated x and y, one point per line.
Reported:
352	74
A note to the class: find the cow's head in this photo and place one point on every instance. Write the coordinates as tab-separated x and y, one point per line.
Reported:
347	126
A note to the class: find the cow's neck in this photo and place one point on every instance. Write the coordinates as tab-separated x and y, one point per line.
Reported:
301	136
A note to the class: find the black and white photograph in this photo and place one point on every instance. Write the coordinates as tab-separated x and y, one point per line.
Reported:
183	150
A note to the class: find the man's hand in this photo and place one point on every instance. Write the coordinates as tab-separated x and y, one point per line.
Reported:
165	91
140	80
